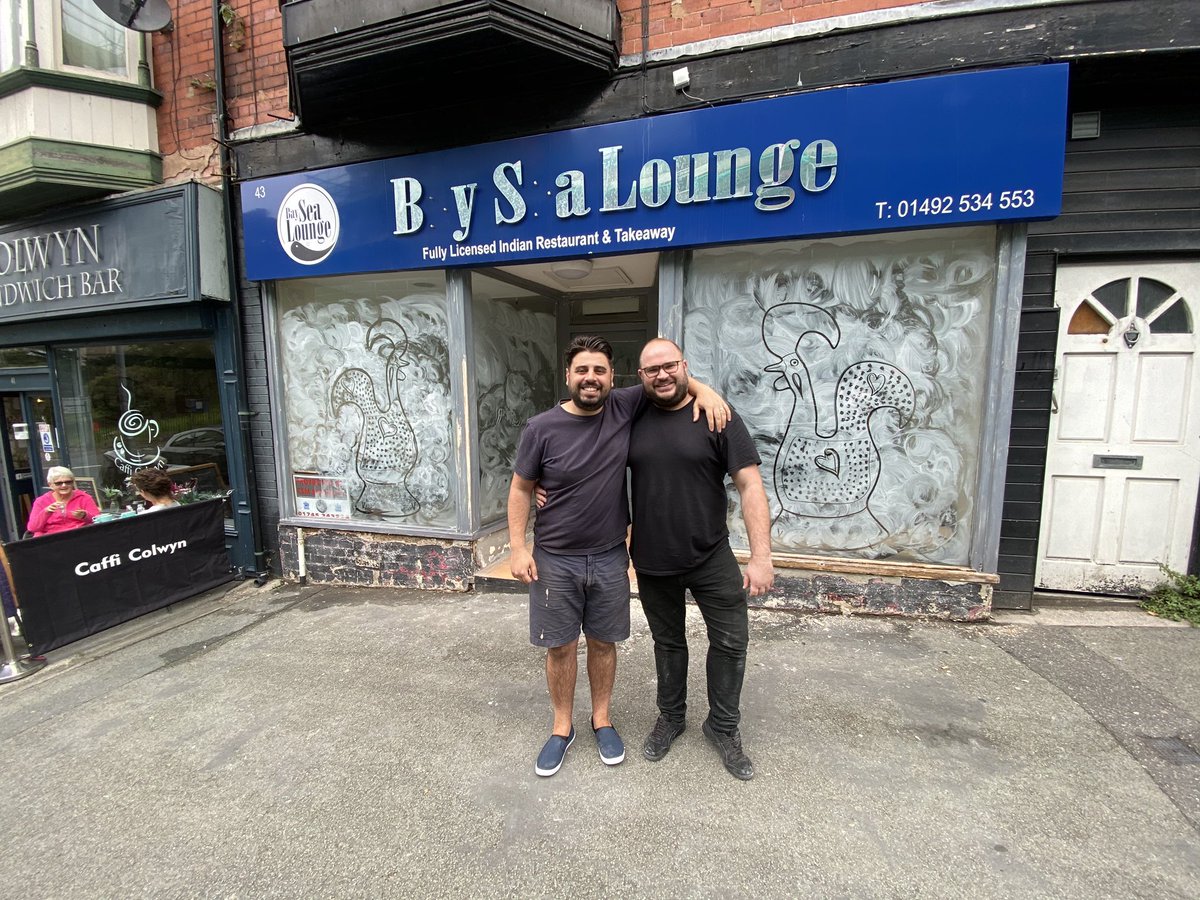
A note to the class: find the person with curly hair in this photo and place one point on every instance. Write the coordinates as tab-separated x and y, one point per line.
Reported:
154	486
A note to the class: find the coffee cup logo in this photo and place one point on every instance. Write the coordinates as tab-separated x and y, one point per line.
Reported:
308	224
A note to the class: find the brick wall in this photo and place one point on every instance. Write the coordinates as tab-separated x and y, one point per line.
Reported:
376	560
675	22
184	68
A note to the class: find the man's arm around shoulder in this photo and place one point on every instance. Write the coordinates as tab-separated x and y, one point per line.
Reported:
760	572
520	562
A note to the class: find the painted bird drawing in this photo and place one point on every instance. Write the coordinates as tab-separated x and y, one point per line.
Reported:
828	462
385	449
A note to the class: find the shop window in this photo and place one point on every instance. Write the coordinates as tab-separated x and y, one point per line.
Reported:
367	399
129	406
91	40
515	377
859	367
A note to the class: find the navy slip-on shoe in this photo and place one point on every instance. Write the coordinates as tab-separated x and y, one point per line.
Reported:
550	760
612	748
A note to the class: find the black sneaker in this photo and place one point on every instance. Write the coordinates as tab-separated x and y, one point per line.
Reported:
730	748
661	736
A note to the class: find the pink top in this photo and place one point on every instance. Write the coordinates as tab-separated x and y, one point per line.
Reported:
42	522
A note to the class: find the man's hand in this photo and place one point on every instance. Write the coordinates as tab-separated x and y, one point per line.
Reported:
522	566
760	573
759	577
539	495
710	403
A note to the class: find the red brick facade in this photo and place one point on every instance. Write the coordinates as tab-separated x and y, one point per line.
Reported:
675	22
256	88
255	81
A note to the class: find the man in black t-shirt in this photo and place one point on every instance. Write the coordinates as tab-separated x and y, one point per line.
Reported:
681	542
578	568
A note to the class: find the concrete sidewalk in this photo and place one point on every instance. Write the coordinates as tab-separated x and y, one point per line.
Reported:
342	742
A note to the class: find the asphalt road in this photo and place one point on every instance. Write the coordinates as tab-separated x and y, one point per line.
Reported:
340	742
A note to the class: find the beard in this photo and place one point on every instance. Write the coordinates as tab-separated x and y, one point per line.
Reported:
587	404
666	401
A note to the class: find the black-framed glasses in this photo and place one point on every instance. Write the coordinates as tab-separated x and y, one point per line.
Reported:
61	483
669	367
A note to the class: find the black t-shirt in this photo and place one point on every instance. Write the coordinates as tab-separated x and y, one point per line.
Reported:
580	461
678	479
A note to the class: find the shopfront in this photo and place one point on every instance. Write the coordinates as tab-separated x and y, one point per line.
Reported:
854	295
116	353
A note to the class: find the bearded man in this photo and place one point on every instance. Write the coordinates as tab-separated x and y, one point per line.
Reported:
681	543
578	569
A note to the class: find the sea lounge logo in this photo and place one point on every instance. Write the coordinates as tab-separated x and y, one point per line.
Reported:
308	224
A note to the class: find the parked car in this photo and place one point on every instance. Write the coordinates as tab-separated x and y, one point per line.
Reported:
193	447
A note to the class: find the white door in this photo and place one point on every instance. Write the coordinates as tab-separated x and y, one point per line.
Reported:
1123	460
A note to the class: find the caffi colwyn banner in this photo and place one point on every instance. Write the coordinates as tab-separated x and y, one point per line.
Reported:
945	150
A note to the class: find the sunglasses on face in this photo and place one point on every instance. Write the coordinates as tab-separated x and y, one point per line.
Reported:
61	483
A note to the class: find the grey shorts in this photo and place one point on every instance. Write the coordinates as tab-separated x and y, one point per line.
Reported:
573	593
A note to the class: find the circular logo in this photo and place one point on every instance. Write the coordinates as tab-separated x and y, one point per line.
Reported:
308	224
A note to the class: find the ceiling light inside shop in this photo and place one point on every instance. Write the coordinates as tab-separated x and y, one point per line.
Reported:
572	269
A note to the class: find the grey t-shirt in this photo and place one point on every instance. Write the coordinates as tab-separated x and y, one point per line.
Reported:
580	461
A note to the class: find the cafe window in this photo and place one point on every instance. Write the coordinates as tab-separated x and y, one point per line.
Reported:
859	366
367	401
129	406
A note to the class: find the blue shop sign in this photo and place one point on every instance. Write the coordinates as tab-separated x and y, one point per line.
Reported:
946	150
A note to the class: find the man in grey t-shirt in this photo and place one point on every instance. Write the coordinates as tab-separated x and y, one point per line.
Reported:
578	571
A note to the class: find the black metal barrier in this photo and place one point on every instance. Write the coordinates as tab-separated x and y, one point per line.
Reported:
75	583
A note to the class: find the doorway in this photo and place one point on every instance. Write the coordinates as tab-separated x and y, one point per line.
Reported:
30	447
615	297
1123	453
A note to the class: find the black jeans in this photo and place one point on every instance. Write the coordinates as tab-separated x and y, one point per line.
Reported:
716	586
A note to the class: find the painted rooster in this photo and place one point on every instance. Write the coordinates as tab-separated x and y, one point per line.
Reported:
385	451
828	463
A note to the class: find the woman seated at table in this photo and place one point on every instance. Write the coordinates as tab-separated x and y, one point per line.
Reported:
64	507
155	487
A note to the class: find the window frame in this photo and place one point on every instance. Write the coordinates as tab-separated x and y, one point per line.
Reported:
132	50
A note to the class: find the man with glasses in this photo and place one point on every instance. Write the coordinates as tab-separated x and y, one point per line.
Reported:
578	570
681	542
63	508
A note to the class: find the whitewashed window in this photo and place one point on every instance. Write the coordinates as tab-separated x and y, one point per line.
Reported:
367	398
859	367
516	372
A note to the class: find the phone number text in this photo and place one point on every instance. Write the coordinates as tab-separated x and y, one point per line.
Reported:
945	204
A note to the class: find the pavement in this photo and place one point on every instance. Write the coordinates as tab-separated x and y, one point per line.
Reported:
288	741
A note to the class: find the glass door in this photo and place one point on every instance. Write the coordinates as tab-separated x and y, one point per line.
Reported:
31	447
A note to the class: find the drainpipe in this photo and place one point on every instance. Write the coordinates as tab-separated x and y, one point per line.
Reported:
221	116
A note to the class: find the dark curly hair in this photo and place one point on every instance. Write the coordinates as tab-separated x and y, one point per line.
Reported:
152	482
587	343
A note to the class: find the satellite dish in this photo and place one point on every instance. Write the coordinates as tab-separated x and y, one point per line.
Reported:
138	15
